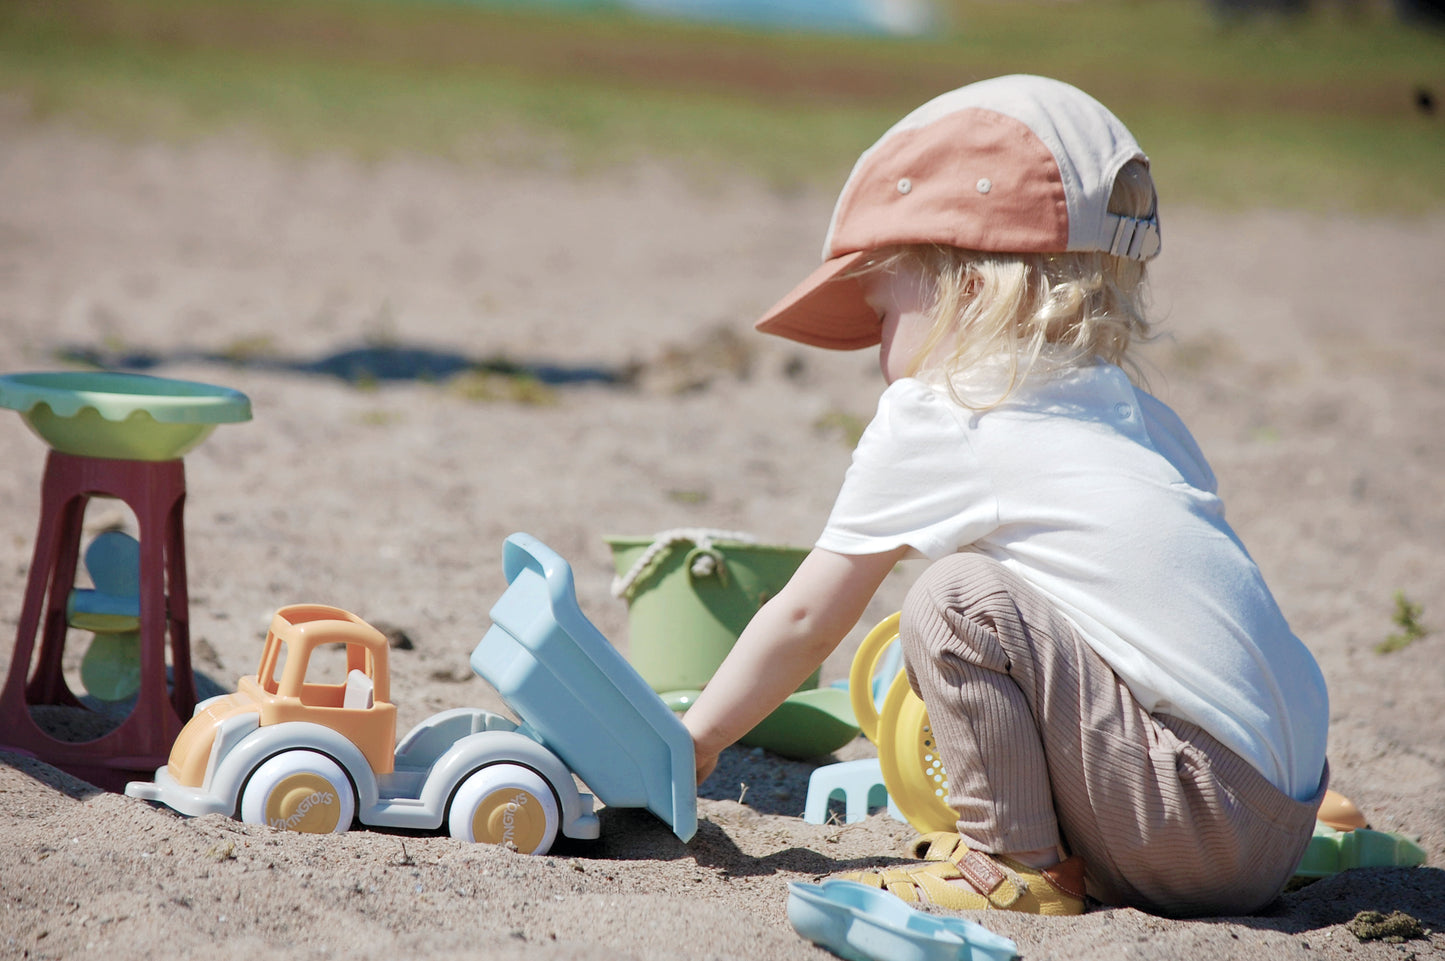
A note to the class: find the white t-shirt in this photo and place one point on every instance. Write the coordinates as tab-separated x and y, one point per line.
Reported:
1096	494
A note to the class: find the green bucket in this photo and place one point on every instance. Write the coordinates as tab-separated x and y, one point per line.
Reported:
687	605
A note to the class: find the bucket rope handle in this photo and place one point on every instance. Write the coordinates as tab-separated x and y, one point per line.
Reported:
704	563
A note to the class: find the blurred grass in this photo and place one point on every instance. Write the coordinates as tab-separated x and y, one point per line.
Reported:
1318	113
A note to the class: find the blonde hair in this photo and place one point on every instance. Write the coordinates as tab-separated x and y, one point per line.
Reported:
987	305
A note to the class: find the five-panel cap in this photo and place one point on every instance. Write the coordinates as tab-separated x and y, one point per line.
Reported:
1018	164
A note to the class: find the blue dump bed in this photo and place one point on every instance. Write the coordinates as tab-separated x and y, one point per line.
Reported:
586	703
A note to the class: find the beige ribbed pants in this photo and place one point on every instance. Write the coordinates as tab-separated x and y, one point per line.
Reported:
1044	746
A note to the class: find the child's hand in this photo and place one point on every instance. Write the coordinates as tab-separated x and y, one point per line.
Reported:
781	646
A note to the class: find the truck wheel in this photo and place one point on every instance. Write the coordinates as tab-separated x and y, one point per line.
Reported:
505	804
300	791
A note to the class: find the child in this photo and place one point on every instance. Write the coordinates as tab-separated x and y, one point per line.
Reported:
1114	693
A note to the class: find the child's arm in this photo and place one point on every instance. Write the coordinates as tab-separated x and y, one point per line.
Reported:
784	643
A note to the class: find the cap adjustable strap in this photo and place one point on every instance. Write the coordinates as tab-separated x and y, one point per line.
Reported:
1135	238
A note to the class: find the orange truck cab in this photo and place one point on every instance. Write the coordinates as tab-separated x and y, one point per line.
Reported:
358	706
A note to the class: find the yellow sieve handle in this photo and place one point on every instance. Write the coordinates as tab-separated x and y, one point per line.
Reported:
860	675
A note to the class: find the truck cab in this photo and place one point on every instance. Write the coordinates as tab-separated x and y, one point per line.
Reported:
356	705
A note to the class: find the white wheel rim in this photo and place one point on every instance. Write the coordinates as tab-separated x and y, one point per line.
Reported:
299	791
506	804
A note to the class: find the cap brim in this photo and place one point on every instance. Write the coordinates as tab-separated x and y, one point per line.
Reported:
826	310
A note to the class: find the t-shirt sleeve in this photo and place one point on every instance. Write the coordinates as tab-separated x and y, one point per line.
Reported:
914	480
1174	442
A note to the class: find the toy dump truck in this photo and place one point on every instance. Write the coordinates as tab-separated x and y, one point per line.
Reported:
297	753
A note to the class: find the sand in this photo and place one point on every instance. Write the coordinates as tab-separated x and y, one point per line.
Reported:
1304	350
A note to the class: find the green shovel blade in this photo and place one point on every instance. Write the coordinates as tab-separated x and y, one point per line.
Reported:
110	669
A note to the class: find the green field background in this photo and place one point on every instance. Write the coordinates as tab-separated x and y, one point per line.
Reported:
1334	111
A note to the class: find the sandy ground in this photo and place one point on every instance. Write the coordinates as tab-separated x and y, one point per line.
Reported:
1305	351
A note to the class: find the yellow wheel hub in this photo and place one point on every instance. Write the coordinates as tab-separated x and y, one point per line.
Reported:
510	816
304	802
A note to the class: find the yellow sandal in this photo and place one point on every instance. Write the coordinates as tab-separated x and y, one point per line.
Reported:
993	882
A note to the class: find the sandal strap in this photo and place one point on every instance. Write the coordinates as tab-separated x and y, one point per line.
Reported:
987	875
937	846
989	878
930	882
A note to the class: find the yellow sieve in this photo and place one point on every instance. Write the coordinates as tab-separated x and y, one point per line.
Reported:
907	754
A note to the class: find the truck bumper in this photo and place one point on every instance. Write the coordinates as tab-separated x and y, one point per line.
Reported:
193	802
